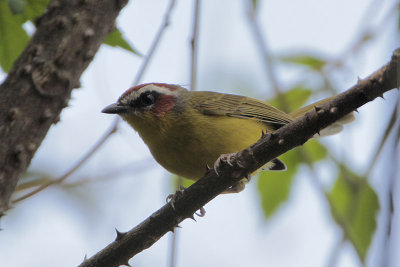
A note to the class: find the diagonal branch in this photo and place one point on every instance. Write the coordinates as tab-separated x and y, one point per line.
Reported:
38	87
270	146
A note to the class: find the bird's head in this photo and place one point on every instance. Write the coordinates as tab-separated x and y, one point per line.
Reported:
146	101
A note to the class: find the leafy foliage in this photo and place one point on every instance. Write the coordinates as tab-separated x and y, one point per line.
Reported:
13	37
294	98
353	201
116	39
13	15
274	187
35	8
354	206
17	6
312	61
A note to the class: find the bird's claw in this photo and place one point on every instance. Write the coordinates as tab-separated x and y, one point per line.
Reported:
171	198
224	157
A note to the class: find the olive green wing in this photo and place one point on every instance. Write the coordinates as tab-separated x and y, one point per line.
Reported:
211	103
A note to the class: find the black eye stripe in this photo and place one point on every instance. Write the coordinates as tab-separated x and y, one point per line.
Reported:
145	99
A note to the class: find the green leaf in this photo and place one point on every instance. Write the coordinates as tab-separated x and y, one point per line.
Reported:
17	6
294	98
35	8
274	187
315	150
354	205
30	9
13	37
311	61
115	39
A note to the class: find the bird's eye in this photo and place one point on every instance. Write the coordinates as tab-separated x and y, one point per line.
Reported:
147	99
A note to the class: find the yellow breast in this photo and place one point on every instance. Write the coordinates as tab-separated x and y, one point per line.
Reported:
186	145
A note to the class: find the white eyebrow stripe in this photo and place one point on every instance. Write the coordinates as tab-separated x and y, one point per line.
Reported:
151	87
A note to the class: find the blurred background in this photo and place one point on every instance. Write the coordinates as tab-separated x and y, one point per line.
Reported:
336	205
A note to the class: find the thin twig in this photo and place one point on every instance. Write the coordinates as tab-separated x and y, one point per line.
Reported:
260	40
155	42
136	167
174	240
392	176
388	230
194	46
367	32
193	75
335	252
99	143
389	128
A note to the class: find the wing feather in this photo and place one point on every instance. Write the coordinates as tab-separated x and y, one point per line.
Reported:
211	103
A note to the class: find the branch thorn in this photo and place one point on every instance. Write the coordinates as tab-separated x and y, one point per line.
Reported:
120	235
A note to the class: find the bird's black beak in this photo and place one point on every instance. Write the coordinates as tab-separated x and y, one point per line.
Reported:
115	108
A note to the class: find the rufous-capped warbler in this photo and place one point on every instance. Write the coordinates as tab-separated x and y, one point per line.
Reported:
188	130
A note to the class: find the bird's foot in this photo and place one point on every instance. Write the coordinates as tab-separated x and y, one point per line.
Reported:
228	158
171	198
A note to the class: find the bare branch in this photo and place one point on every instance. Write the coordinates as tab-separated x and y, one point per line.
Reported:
244	162
39	85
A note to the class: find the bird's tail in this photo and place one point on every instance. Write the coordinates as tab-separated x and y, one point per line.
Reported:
335	127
